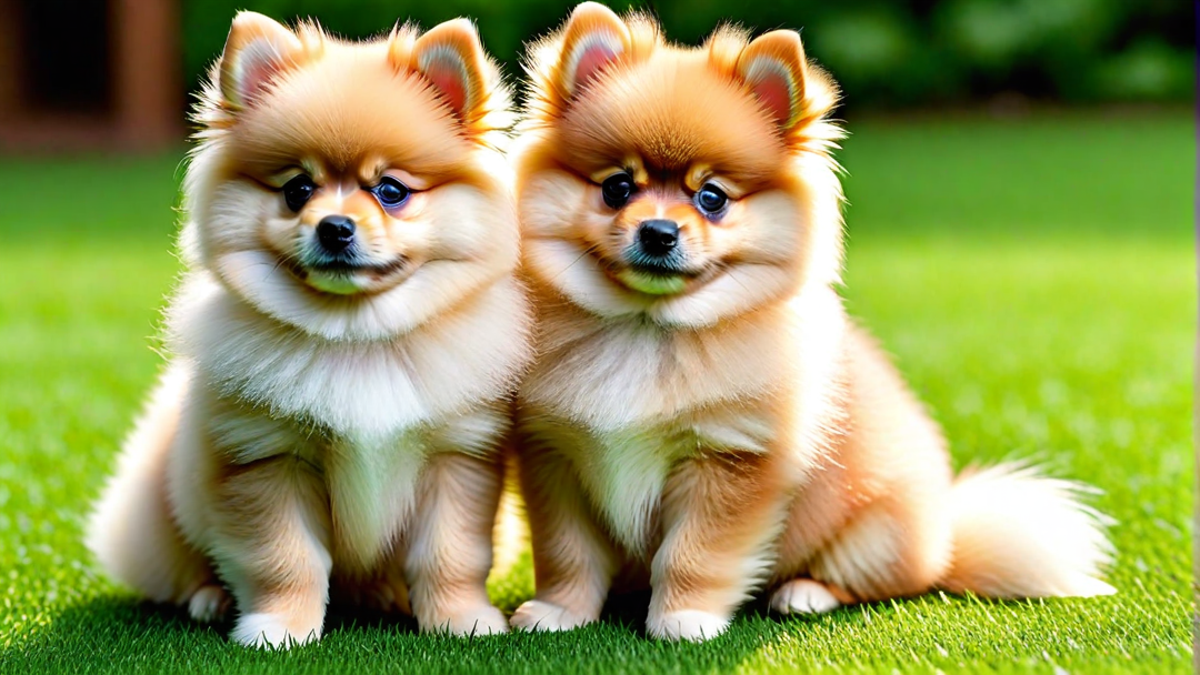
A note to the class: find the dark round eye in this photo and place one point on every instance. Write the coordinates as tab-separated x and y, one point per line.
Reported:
711	199
297	192
391	192
617	189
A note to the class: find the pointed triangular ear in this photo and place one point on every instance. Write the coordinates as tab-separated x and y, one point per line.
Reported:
594	38
451	57
258	48
774	67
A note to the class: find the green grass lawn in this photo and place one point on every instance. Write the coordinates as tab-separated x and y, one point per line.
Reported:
1035	279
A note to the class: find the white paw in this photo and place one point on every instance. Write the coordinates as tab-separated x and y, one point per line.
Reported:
689	624
265	631
208	604
803	596
536	615
482	620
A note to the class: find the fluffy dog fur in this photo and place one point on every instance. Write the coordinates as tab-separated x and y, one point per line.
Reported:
332	432
726	427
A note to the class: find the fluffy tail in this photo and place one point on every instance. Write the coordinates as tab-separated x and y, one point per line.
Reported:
1018	534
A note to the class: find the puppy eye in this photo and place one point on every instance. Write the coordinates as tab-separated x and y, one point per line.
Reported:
617	189
711	199
297	192
390	192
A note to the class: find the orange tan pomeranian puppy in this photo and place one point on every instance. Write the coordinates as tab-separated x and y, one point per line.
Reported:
344	344
702	415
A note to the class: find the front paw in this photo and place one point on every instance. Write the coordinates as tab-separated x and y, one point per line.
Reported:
271	631
481	620
688	624
537	615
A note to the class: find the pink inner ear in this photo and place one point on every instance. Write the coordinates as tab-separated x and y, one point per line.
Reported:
591	61
773	91
256	65
255	75
448	79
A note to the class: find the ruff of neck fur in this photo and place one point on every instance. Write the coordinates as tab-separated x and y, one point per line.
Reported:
351	388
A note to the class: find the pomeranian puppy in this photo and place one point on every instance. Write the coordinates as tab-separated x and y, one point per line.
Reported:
702	415
344	345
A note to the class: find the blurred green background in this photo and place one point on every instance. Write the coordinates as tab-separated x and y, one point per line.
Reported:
885	53
116	73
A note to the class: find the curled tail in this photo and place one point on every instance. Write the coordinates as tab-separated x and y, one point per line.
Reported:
1019	534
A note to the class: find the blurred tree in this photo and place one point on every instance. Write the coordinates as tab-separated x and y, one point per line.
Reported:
884	53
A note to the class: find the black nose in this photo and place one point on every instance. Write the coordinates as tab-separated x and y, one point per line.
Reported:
658	237
335	233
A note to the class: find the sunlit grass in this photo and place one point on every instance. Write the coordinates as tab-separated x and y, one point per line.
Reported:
1035	281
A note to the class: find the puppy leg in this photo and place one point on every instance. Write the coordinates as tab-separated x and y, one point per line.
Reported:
895	546
271	547
720	515
134	538
574	562
451	551
894	538
889	550
132	532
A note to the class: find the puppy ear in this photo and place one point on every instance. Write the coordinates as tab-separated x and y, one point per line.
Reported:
451	57
257	50
775	69
595	38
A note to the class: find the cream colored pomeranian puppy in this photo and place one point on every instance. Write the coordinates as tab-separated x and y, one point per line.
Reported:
702	415
344	344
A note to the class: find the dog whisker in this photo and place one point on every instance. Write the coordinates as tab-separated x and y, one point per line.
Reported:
586	252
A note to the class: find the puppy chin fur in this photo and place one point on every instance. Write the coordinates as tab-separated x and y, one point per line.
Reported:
747	435
303	448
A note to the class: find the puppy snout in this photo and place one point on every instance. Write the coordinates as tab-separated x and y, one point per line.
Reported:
658	237
335	233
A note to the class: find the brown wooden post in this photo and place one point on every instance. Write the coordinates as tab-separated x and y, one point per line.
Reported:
145	84
10	67
146	70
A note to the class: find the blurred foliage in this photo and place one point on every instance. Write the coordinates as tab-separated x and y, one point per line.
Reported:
884	53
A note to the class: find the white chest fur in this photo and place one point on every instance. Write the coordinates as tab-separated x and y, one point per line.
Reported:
624	473
625	402
372	389
367	414
612	375
371	482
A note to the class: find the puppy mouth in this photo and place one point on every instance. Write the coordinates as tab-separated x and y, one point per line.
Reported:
660	269
348	276
350	267
656	279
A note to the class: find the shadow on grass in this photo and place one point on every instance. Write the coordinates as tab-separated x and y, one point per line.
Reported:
113	634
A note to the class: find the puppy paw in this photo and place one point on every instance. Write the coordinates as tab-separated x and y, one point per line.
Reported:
689	624
803	596
482	620
270	631
536	615
208	604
